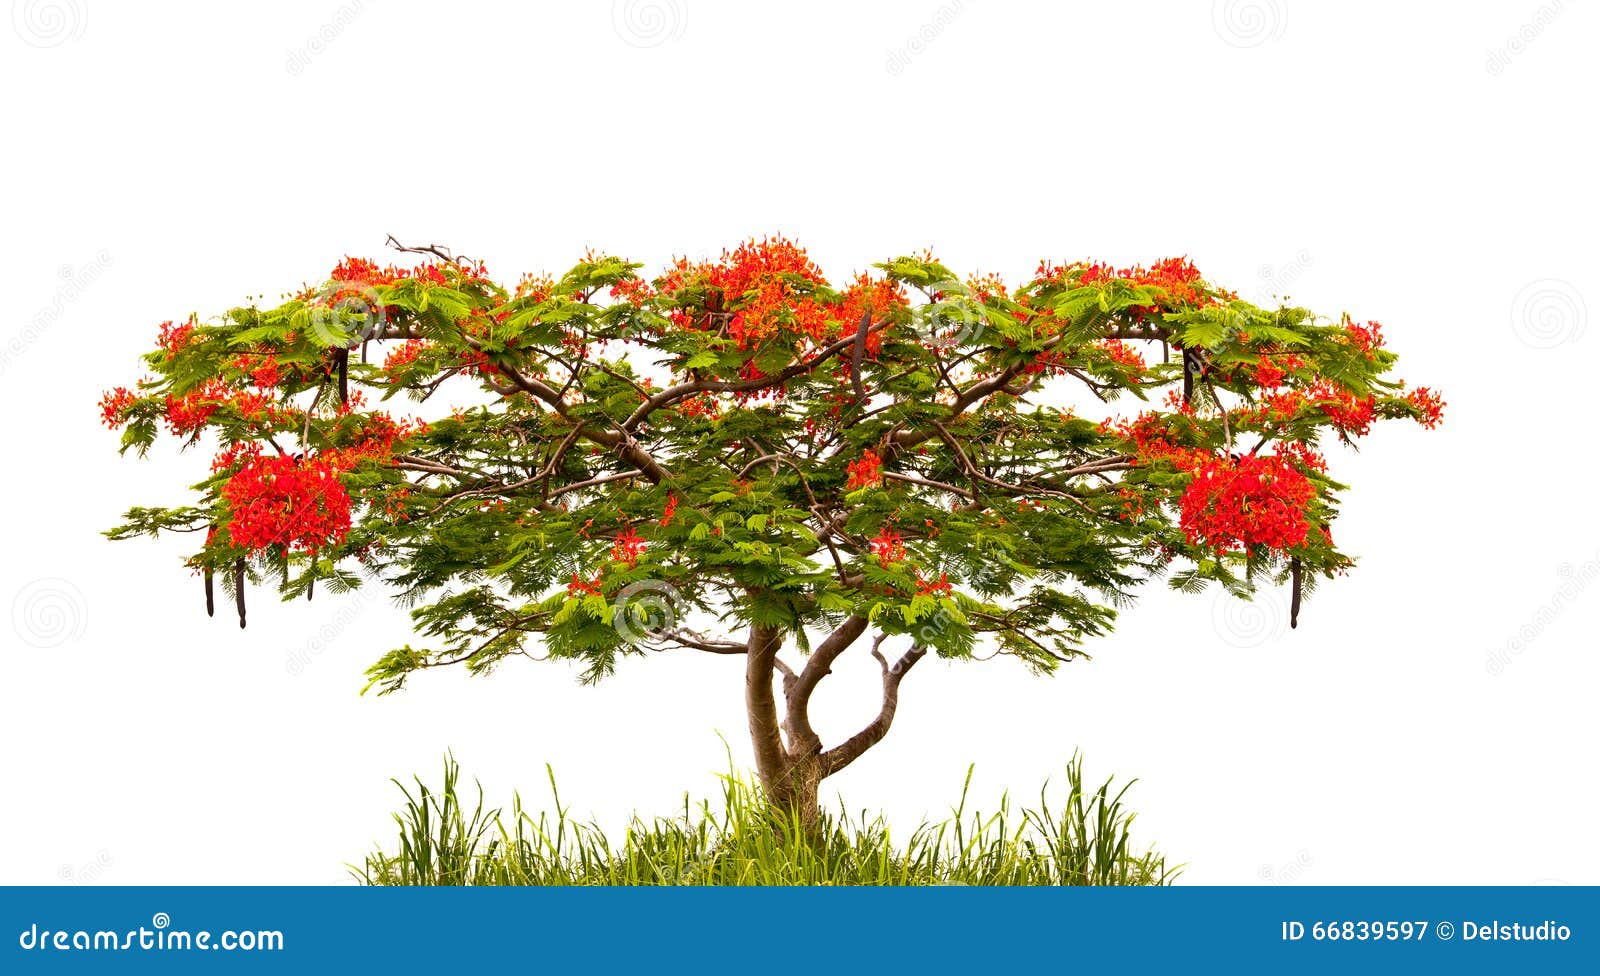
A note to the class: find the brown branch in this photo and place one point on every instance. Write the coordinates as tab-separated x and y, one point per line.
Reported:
852	748
797	694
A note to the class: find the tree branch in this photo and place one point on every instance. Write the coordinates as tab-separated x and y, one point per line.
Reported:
797	693
851	749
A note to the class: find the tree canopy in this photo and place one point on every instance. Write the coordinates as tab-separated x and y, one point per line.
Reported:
604	463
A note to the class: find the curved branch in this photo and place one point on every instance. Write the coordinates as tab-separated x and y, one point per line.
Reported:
797	692
851	749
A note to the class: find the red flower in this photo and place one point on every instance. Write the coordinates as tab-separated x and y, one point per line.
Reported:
187	414
114	404
1122	355
670	510
628	547
887	546
933	587
578	587
403	355
1247	503
1367	338
283	501
865	472
174	338
1429	405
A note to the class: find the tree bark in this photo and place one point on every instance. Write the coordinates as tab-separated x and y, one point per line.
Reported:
790	759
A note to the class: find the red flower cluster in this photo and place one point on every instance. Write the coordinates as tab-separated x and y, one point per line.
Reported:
284	501
1350	414
187	414
373	440
403	355
762	287
628	547
1249	503
866	472
114	407
703	406
1176	281
1430	404
579	588
888	547
1122	354
174	338
1367	338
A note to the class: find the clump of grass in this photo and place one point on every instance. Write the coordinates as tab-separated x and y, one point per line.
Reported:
739	842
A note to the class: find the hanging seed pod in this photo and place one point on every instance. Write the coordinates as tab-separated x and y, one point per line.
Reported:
311	587
343	356
211	594
1188	374
238	589
1294	593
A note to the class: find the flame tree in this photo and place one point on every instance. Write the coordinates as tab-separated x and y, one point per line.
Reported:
739	457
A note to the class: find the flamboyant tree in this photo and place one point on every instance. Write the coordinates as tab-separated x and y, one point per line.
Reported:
740	457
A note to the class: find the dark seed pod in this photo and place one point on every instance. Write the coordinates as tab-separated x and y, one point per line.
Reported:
1295	573
343	355
211	595
311	587
238	589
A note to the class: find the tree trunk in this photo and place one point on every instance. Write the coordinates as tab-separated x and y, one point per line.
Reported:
790	760
794	797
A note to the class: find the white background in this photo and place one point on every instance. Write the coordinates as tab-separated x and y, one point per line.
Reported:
1432	719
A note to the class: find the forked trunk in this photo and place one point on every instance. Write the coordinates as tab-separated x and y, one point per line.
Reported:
790	759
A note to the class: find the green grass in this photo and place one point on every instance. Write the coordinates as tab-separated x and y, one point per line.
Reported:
738	842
